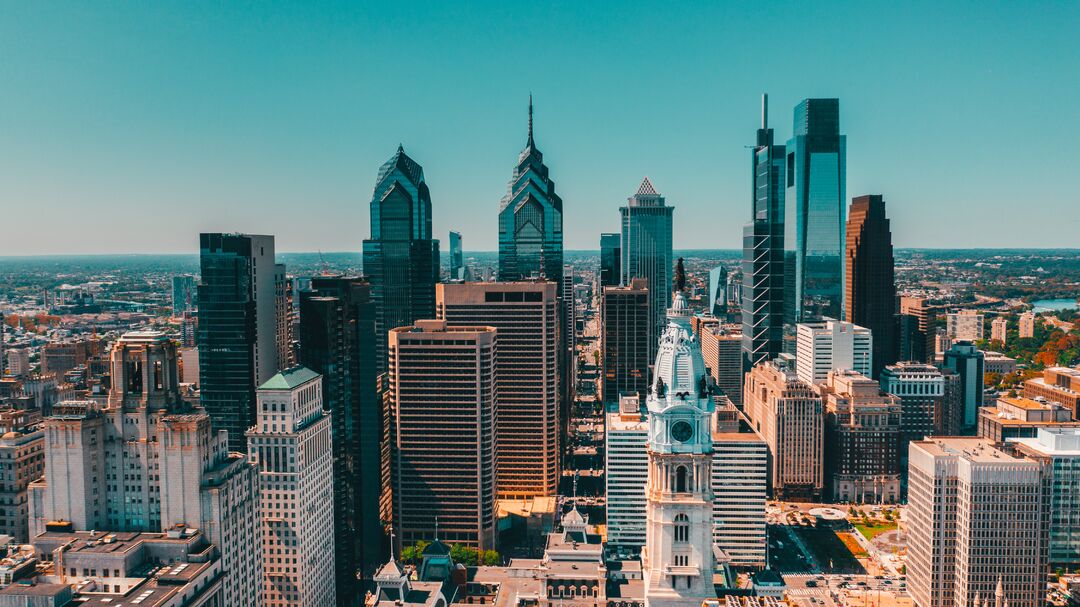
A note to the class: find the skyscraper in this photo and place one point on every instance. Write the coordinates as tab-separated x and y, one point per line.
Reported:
293	446
1027	325
400	259
624	340
830	345
457	257
337	340
717	297
610	259
183	294
238	328
1059	450
814	213
442	403
626	467
869	281
525	314
763	251
916	338
646	252
721	347
967	361
531	220
283	312
924	400
999	328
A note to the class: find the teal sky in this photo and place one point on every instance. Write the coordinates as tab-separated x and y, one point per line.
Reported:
132	126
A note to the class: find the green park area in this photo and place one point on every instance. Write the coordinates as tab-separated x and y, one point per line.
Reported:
872	529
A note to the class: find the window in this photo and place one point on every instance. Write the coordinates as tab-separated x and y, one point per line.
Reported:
682	528
680	479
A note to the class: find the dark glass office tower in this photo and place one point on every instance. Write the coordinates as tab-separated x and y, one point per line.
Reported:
457	257
530	220
814	213
237	333
763	252
646	253
610	258
337	340
869	281
400	259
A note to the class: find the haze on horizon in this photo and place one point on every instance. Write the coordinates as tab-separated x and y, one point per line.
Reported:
132	128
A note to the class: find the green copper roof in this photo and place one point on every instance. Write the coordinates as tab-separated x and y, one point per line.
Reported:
289	379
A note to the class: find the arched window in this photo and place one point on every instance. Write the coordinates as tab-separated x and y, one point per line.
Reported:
680	479
682	528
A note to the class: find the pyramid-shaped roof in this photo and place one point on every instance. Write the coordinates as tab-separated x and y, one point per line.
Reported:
646	188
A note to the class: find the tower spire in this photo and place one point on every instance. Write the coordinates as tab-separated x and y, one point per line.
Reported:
764	110
530	120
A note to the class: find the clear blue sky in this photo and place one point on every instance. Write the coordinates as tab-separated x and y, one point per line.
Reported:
132	126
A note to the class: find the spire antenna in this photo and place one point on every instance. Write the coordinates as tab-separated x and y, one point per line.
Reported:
764	111
530	118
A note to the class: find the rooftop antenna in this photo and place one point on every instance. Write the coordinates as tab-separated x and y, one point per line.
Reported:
530	119
764	111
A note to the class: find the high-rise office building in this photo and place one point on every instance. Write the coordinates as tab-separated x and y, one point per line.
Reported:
740	482
443	392
678	563
717	300
525	314
721	347
22	451
238	328
916	337
1027	325
284	314
814	213
1058	449
457	257
924	400
789	415
965	325
763	251
291	443
531	220
964	359
337	340
999	328
869	281
646	252
183	294
626	467
18	362
610	260
400	259
148	461
862	440
625	327
829	345
977	520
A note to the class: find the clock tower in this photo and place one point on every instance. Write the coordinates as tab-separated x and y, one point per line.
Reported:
678	560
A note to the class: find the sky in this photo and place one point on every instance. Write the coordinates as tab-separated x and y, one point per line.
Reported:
132	126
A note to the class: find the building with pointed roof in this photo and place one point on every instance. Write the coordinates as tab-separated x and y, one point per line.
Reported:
646	252
400	258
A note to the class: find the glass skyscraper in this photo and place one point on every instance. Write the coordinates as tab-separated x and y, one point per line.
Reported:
530	220
814	213
457	258
646	253
763	251
610	258
717	303
400	259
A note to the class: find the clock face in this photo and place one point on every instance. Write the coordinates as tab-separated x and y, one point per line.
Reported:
682	431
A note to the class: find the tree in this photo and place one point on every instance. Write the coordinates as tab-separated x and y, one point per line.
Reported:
412	555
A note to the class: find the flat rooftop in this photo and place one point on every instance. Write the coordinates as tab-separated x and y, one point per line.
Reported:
972	448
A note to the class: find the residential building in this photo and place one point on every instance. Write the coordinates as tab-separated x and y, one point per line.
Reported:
531	220
923	403
916	337
238	328
626	466
457	257
1018	417
610	260
646	252
814	213
624	340
22	453
291	443
146	461
967	361
977	520
337	340
183	294
869	279
862	440
1057	384
443	398
189	337
18	362
789	415
999	329
401	259
525	314
1027	325
965	325
721	347
1059	451
828	345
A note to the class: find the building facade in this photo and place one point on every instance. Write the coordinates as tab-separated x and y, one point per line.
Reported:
965	325
646	252
626	467
967	361
22	454
923	400
625	324
828	345
457	257
869	278
401	260
1027	325
292	445
721	347
1058	449
610	260
916	339
183	294
999	328
1057	384
862	440
525	314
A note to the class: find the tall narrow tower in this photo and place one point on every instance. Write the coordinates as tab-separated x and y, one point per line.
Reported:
646	251
678	561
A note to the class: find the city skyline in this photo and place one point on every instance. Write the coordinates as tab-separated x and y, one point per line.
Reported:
168	114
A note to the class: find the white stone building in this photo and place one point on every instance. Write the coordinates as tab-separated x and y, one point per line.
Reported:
832	345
